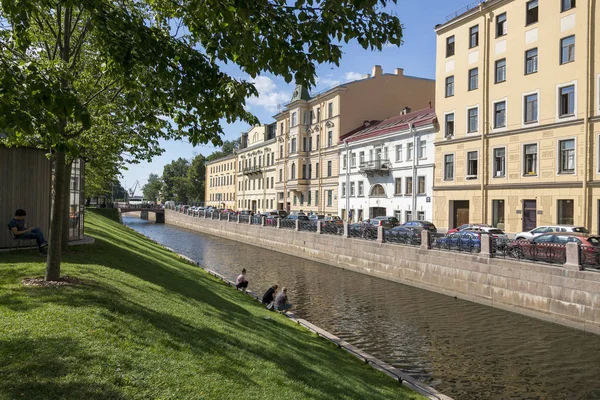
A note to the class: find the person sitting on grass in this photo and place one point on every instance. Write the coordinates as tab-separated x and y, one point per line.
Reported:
269	295
281	303
21	231
241	282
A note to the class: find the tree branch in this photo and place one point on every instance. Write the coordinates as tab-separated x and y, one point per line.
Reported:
87	101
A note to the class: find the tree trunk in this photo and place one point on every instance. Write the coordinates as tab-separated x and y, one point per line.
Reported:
67	206
56	223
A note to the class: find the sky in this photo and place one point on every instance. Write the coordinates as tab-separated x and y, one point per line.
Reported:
416	56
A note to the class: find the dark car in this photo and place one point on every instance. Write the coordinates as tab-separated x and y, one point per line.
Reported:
282	213
400	234
297	217
418	226
386	222
551	247
464	241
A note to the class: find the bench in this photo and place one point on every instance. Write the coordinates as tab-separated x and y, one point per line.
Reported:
18	239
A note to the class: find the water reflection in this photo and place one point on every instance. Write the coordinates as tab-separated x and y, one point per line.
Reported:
465	350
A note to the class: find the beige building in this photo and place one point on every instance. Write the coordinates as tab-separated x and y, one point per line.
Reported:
220	182
256	170
308	132
519	111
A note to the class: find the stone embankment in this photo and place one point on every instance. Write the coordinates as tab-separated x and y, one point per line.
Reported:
558	294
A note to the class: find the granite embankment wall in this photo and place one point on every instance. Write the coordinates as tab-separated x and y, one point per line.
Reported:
553	293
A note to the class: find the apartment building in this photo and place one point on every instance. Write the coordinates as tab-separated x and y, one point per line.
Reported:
256	170
517	99
220	182
308	132
387	168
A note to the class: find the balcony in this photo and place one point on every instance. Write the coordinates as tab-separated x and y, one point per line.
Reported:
297	185
256	169
375	167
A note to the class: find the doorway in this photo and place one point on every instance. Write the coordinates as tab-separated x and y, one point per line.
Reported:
253	206
377	212
460	213
529	214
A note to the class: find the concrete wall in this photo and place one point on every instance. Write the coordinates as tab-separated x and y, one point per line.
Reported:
555	294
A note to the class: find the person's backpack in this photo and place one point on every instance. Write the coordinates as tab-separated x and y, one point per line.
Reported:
270	305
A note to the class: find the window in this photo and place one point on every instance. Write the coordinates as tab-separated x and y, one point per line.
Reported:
474	36
318	142
293	148
449	167
473	78
498	214
317	170
309	171
407	216
318	114
305	118
450	86
532	12
310	143
500	115
308	198
421	185
501	70
565	212
531	108
531	61
304	144
377	191
472	164
303	171
329	198
501	25
352	189
330	109
567	101
329	138
530	159
345	161
398	152
280	152
449	125
566	5
398	186
316	197
567	156
272	182
361	187
473	114
567	49
409	152
361	158
500	162
421	215
328	168
422	149
280	175
353	162
293	173
343	190
310	116
408	185
450	46
294	119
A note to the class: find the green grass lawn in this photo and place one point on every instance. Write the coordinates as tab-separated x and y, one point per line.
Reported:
148	325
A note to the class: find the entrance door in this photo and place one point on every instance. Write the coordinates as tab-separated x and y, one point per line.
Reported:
254	206
378	212
529	215
460	213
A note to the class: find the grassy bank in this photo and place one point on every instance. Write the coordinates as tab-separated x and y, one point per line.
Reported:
147	325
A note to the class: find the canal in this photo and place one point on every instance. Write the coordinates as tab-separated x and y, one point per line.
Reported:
465	350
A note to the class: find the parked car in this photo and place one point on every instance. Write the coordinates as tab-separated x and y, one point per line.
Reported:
245	212
271	220
294	217
418	226
540	230
402	234
386	222
468	227
282	213
363	230
315	217
463	240
552	247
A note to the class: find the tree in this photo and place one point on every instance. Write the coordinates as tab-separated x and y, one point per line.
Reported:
74	73
153	188
197	176
171	182
226	149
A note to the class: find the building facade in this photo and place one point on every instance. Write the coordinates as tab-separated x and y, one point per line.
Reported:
517	99
256	170
221	182
386	168
308	132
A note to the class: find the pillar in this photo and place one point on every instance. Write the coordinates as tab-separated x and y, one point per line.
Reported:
425	239
573	256
487	249
380	238
346	228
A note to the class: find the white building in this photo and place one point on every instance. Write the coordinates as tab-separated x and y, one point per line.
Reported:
387	168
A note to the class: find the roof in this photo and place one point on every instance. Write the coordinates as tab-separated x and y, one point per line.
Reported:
371	129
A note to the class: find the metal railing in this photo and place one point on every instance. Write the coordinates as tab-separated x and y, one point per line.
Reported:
461	244
244	219
332	228
589	257
374	165
288	224
402	237
554	253
307	226
362	231
271	222
256	220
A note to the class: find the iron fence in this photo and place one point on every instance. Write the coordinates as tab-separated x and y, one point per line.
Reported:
362	231
328	228
307	226
555	253
244	219
271	222
407	238
462	244
288	224
256	220
590	257
215	215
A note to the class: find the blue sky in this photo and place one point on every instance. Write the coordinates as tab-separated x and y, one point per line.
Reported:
416	56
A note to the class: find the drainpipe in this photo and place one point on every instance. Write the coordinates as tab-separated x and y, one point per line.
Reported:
589	82
414	171
347	178
485	123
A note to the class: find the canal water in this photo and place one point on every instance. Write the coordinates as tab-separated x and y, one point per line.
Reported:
465	350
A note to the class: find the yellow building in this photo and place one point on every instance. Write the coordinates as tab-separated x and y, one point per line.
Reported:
220	182
519	111
256	170
308	132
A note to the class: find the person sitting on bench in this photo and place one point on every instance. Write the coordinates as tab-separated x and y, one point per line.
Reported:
20	230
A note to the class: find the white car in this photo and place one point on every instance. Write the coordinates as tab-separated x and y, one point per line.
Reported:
495	232
540	230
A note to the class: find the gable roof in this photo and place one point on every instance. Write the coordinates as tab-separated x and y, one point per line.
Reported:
374	128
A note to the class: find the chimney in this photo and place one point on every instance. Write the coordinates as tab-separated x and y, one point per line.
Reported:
405	110
399	71
377	71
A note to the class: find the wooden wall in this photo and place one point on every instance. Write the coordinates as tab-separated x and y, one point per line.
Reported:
25	182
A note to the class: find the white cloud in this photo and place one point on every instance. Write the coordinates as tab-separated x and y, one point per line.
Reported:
268	95
353	76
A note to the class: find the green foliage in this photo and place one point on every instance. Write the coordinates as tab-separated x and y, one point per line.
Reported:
153	188
196	176
174	180
148	325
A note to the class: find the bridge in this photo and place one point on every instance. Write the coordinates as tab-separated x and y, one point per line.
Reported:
144	211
